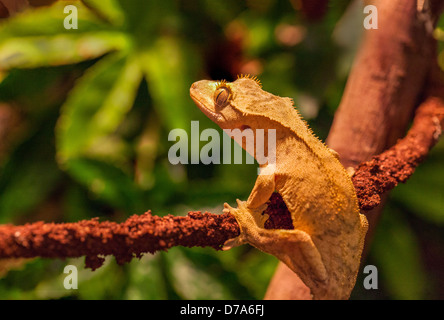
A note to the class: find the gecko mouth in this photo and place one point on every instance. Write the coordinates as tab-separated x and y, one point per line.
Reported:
244	127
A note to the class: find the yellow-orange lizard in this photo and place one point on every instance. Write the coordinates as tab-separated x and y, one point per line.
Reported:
324	249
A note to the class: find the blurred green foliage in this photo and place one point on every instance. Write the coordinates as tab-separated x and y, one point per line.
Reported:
85	116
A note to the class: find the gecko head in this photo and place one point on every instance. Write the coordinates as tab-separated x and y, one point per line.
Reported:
238	104
214	99
233	104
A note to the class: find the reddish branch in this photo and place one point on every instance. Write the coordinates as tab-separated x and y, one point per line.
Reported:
94	239
148	233
383	172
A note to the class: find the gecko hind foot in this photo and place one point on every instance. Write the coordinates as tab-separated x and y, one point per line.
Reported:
294	247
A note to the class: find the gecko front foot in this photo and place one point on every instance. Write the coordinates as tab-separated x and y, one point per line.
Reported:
249	220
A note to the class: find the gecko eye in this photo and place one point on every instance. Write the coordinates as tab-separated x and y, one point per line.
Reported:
221	96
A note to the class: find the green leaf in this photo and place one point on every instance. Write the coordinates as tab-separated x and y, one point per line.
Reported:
107	183
28	177
35	82
31	52
191	282
107	282
145	279
147	151
48	21
255	271
169	81
423	197
28	188
398	258
223	12
108	10
423	193
96	107
144	19
234	269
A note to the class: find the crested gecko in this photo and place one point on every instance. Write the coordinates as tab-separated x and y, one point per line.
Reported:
325	246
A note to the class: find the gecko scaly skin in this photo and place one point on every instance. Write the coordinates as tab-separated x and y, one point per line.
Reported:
325	246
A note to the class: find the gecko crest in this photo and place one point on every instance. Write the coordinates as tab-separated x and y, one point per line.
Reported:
248	76
222	83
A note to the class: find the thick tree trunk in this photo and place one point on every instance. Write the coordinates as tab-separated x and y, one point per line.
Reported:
384	87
